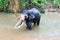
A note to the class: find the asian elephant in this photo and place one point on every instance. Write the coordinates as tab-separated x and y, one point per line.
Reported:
30	16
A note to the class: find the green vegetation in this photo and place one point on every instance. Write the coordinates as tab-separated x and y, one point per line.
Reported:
56	3
3	4
40	4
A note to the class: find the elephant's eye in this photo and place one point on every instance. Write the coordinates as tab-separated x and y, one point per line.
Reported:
26	17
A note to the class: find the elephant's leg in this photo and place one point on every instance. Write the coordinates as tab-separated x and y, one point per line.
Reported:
34	23
29	25
38	22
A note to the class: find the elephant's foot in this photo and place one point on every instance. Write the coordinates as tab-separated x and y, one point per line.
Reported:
29	28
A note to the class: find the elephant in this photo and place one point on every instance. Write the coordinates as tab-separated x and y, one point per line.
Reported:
30	16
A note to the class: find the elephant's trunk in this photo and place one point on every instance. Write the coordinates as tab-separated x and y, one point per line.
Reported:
20	22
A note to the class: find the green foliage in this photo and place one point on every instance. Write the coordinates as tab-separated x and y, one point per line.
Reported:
35	3
42	10
23	3
3	4
40	3
56	3
10	10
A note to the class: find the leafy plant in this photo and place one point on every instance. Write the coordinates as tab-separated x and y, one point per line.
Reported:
34	3
3	4
56	3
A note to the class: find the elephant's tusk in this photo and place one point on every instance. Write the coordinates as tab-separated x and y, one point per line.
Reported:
17	27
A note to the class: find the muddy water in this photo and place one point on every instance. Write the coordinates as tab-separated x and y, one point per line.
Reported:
49	28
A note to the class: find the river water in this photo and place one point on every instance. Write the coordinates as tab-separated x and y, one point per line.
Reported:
49	28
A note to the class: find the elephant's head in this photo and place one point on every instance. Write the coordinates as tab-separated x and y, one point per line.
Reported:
23	17
21	20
